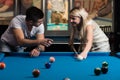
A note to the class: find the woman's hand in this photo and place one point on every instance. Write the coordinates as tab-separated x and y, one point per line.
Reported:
84	55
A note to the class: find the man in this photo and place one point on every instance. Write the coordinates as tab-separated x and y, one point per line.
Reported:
20	31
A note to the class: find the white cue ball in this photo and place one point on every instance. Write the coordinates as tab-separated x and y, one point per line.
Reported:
80	58
67	78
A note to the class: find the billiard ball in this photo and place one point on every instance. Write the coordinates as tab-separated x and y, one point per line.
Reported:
2	65
97	71
104	64
48	65
36	72
79	57
52	59
104	70
66	78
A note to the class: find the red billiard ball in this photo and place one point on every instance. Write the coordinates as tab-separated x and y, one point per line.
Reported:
97	71
2	65
36	72
52	59
104	70
48	65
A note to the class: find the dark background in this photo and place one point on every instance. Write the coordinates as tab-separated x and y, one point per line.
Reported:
117	25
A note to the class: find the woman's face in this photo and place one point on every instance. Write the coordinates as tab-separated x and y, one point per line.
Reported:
75	20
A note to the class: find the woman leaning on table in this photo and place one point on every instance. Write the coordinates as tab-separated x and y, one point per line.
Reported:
88	32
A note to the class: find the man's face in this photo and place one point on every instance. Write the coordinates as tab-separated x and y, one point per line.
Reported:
38	23
74	20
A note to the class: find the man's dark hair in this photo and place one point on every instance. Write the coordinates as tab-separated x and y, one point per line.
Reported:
34	13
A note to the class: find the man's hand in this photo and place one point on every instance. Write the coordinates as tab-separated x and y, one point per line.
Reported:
34	53
46	42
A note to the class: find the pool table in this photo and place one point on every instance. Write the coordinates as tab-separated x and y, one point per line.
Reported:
19	66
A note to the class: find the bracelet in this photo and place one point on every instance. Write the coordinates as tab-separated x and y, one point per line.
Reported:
39	48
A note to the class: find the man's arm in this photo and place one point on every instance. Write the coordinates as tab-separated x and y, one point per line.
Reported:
18	33
40	47
22	41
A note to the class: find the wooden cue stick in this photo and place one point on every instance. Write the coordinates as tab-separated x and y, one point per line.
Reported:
74	50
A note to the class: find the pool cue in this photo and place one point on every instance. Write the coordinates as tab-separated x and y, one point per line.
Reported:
74	50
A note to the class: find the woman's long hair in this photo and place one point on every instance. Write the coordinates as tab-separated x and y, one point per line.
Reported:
84	17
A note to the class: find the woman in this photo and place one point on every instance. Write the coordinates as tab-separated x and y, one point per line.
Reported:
87	31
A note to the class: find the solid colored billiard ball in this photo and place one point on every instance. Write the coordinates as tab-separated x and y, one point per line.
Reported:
36	72
97	71
52	59
104	70
104	64
2	65
66	78
48	65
